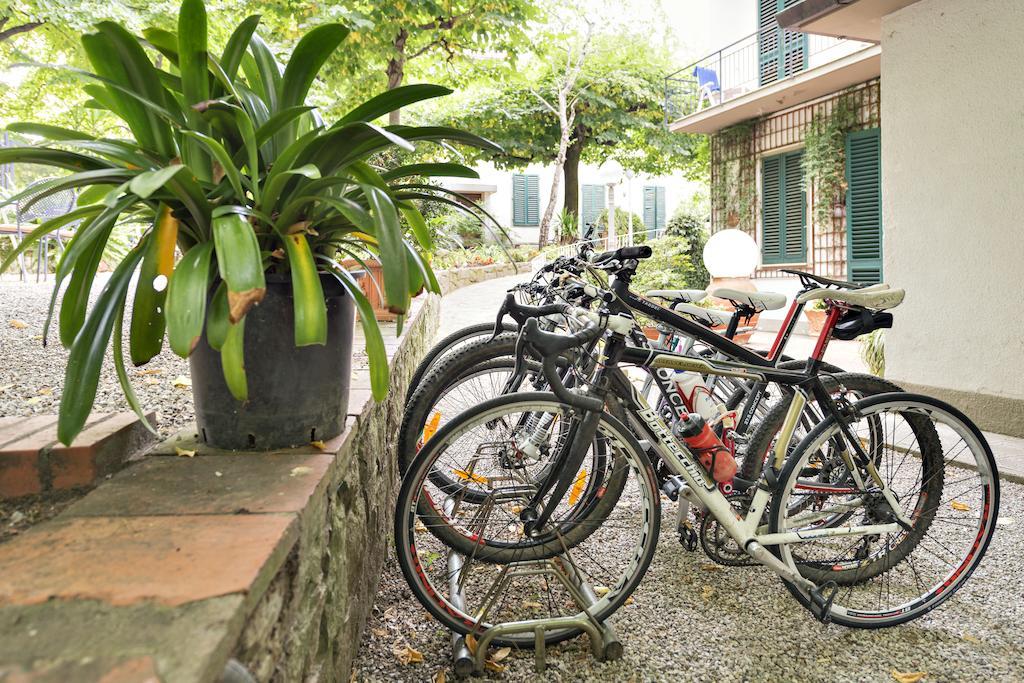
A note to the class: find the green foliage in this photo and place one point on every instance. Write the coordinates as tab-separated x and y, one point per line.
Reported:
824	160
621	223
669	268
482	255
568	228
734	177
225	163
692	227
872	351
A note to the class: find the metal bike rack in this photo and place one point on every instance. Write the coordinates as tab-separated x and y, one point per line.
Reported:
604	643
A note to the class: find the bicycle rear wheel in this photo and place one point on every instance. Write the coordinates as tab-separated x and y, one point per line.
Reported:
941	471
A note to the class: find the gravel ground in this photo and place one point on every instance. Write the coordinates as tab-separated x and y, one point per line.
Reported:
32	375
694	620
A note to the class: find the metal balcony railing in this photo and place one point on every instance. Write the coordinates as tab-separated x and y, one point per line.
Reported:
747	65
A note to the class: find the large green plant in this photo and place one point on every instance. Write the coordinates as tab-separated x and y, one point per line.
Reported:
233	168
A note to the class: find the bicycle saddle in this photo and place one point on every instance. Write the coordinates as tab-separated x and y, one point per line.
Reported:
686	296
708	316
759	301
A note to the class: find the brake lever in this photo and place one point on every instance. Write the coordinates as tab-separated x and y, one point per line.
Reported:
499	323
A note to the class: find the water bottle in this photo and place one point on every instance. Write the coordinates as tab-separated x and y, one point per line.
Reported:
693	429
697	396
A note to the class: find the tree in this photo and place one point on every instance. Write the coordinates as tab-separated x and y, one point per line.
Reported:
442	35
619	114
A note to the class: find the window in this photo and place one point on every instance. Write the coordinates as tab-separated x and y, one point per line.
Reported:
783	209
592	206
654	209
781	53
864	207
525	200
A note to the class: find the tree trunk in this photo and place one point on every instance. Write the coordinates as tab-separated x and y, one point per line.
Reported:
564	119
571	169
396	72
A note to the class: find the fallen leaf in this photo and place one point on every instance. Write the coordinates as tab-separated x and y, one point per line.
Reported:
710	567
407	655
34	400
18	324
707	592
601	591
577	487
379	632
471	644
439	677
150	371
908	676
181	382
319	445
219	474
420	526
45	391
300	470
501	654
628	601
149	382
184	452
491	665
430	428
957	505
972	639
467	476
530	604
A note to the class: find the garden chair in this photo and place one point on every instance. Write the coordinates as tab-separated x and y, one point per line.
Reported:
46	208
708	86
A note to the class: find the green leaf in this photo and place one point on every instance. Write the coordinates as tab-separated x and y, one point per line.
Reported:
192	62
57	158
186	299
232	361
430	170
392	251
145	184
392	100
306	61
49	132
419	226
86	357
240	264
76	297
266	79
236	46
217	322
307	293
444	133
278	121
375	350
122	374
218	152
148	320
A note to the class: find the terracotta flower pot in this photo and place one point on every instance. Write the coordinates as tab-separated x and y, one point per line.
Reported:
815	321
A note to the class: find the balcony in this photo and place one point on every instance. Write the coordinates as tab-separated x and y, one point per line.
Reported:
761	74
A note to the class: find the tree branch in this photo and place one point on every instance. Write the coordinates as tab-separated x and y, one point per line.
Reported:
20	28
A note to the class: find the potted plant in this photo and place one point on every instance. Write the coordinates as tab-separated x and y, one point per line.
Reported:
815	312
232	168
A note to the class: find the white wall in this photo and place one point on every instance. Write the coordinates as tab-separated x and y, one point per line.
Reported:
629	194
953	193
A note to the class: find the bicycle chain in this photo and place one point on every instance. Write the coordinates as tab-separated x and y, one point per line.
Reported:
715	541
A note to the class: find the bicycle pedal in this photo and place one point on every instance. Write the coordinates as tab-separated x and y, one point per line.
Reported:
821	604
688	537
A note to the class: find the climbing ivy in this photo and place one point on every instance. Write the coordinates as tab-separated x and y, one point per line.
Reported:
824	159
733	186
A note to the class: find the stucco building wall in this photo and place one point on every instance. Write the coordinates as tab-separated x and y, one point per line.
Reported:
953	202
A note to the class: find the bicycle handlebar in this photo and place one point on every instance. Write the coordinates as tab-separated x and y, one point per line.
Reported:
549	346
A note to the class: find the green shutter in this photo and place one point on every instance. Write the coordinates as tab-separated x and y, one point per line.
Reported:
771	209
654	209
864	206
525	200
781	53
783	209
593	205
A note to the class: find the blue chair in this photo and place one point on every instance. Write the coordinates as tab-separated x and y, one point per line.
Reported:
707	84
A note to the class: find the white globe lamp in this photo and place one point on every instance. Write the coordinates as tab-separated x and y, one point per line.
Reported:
731	256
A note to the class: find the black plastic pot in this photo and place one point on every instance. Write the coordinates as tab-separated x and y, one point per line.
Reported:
296	395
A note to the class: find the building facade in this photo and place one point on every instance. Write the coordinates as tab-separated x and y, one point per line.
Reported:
795	129
517	199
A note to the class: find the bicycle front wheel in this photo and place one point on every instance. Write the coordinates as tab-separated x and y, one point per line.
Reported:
944	499
599	542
